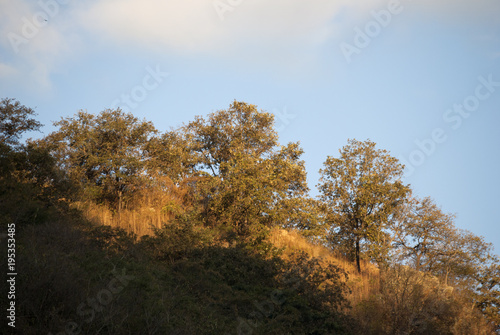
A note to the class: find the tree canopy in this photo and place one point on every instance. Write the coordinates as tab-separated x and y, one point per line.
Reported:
224	181
246	178
105	152
15	119
361	190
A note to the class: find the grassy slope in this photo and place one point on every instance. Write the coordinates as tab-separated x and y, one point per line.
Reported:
182	282
185	281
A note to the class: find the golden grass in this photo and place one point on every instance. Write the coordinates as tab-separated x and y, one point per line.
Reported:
140	221
362	284
143	219
149	208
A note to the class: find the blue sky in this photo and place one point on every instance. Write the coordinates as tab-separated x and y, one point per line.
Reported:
419	78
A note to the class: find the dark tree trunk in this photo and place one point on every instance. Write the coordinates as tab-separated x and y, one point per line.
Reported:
358	265
119	201
417	262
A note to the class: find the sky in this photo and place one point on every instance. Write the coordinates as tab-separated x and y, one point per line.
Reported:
419	78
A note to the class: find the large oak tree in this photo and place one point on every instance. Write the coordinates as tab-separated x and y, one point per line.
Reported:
105	153
246	179
361	190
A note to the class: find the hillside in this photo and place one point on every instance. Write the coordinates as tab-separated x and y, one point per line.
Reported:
80	278
113	227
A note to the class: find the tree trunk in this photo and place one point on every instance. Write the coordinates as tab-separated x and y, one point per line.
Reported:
358	265
119	201
417	262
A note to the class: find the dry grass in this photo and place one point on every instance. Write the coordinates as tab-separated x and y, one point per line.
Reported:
140	221
144	218
148	209
362	284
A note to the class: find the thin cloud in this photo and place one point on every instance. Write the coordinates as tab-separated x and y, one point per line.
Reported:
282	33
35	42
212	27
277	28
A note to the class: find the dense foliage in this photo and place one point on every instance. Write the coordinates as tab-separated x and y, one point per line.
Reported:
361	190
191	248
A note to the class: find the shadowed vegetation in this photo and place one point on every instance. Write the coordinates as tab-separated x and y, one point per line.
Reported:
209	229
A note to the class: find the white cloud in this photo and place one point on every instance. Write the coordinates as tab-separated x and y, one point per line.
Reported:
277	28
196	25
283	35
284	32
177	24
35	39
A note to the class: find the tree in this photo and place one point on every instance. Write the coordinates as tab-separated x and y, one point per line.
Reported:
428	238
414	302
104	153
361	190
28	174
467	261
15	119
170	155
245	178
241	129
420	232
461	257
487	292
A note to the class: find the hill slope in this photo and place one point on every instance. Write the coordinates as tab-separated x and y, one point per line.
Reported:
81	278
